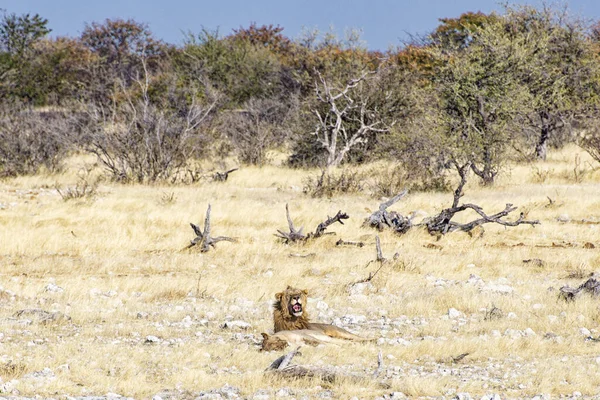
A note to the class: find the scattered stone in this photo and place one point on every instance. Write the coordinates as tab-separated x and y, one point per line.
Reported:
53	288
236	325
529	332
453	313
361	288
41	316
497	288
322	306
152	339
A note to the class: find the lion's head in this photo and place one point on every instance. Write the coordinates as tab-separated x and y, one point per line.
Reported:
272	343
289	309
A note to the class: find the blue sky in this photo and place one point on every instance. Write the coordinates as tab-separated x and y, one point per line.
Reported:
383	22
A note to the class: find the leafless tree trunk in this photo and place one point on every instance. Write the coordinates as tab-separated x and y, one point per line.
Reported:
336	129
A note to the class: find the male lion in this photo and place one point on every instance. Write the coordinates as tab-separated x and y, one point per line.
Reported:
289	315
282	339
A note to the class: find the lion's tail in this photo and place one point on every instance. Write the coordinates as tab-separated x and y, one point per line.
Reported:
337	332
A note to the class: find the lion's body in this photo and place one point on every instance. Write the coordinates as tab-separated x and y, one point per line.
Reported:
282	339
289	315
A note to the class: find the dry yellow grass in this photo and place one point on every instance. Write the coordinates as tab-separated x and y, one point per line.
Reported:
119	259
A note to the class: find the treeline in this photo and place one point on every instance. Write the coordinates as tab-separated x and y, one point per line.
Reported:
479	91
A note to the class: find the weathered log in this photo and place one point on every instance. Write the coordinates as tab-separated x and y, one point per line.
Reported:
203	237
343	242
442	223
384	219
296	235
591	286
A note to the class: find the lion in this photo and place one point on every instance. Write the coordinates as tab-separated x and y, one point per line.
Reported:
289	315
299	337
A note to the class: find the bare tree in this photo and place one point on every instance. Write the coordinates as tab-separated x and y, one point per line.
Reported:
144	140
347	117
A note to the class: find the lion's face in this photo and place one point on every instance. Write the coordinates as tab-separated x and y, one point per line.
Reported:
272	343
292	301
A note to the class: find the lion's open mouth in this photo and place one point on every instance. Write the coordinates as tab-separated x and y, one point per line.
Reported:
297	309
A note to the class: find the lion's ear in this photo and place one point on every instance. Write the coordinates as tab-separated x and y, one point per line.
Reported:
305	292
278	296
265	335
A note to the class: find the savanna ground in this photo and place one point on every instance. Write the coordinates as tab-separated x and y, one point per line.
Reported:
148	318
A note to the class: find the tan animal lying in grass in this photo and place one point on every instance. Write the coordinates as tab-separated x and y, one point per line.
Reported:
299	337
289	315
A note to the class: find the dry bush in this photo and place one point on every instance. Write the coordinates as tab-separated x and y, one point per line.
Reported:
85	188
256	128
142	141
30	140
10	370
388	181
591	144
329	183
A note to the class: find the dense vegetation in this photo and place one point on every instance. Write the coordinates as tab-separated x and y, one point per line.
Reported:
481	90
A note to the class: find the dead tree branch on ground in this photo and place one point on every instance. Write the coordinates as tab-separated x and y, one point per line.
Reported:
442	223
203	236
591	286
222	176
383	219
296	235
380	259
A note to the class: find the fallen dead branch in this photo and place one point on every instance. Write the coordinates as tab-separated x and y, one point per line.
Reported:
384	219
443	223
342	242
222	176
591	286
380	259
203	237
296	235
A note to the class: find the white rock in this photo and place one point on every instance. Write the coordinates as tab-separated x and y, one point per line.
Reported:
491	397
152	339
361	288
564	218
475	280
283	392
537	306
453	313
585	332
236	324
529	332
497	288
353	319
322	306
54	288
511	315
552	319
268	274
